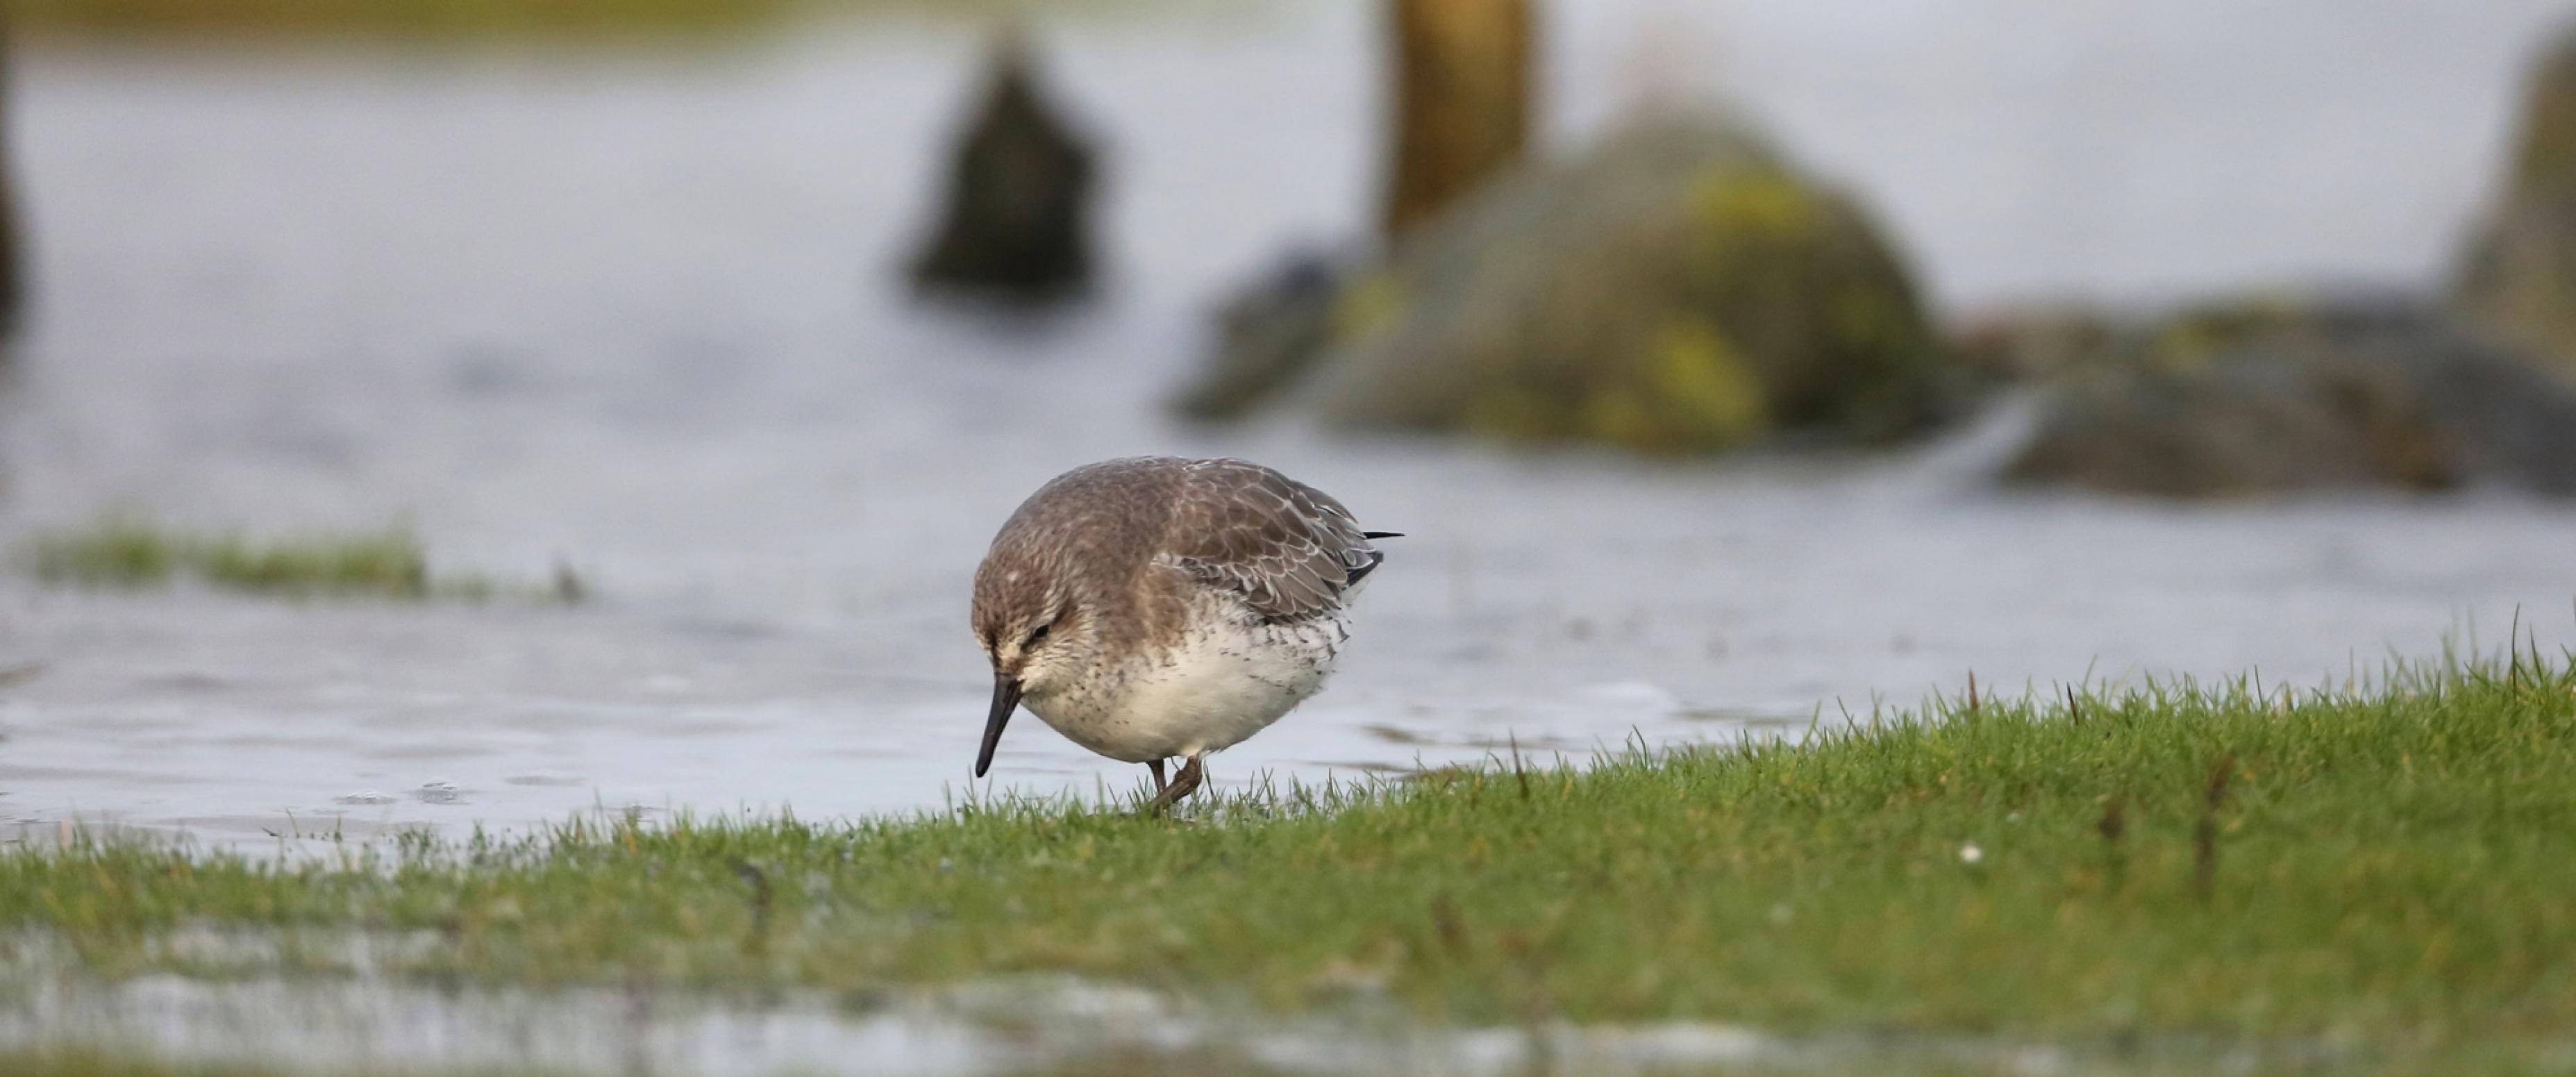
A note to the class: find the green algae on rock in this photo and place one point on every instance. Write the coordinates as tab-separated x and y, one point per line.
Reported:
1680	288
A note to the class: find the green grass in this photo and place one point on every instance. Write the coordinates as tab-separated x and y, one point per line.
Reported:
1191	1064
127	552
395	18
202	21
2384	874
86	1063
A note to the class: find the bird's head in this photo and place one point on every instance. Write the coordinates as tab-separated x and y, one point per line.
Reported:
1033	630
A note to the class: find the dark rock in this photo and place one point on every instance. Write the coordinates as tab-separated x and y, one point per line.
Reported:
1016	223
1267	334
2518	276
2255	399
1680	288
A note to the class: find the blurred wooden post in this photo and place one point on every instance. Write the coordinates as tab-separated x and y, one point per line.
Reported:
12	252
1462	100
1017	221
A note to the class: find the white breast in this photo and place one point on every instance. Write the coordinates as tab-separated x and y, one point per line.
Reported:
1218	685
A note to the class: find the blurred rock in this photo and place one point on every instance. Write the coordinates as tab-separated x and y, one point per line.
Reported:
2261	398
1679	288
1016	225
1267	334
2518	276
1461	101
2025	344
2054	341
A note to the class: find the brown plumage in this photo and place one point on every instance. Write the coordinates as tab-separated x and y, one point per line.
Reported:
1154	607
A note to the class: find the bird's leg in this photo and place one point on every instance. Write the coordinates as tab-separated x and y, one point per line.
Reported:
1183	784
1156	765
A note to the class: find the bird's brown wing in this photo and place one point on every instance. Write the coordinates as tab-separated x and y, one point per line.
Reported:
1288	548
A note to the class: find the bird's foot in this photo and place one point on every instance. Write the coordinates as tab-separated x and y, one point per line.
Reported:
1183	784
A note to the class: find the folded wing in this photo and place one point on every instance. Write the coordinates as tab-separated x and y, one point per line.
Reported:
1289	549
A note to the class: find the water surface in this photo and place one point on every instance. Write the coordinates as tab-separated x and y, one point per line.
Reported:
636	313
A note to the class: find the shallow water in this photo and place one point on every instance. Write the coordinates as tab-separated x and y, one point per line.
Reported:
636	313
1015	1025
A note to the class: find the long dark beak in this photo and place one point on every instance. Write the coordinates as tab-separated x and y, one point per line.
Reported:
1006	698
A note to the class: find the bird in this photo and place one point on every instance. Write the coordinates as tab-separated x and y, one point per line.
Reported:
1155	608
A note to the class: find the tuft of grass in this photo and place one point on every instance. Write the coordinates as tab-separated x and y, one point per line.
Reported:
129	552
389	564
116	552
2371	877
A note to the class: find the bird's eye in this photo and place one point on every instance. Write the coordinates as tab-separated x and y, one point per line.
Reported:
1037	636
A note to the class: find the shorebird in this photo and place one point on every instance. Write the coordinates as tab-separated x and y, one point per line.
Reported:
1155	608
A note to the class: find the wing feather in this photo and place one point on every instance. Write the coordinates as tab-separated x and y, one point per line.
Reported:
1289	549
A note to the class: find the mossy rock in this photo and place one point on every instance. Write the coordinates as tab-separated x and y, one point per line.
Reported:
1680	288
2518	275
2257	398
2055	343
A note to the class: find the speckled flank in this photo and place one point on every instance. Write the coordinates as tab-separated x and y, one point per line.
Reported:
1157	607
